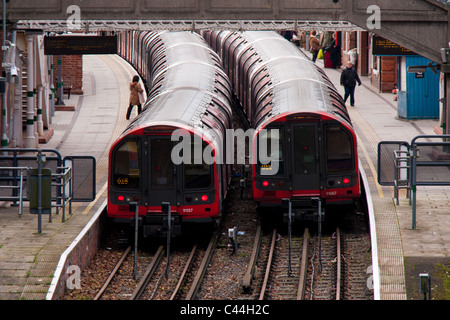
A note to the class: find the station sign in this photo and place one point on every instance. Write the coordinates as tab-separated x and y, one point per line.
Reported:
73	45
384	47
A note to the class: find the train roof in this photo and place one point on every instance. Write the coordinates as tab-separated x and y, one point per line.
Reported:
185	77
297	84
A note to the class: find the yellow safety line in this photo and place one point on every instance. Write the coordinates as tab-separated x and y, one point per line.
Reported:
100	193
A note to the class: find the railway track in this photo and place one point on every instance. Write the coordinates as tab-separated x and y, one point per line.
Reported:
113	273
324	282
155	282
293	270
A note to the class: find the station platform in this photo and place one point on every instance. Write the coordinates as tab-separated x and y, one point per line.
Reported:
403	252
28	259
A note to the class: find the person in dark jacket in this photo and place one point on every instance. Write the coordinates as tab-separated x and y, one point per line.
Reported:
135	89
349	77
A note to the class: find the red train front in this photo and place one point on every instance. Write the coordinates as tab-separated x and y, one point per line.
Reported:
142	170
316	159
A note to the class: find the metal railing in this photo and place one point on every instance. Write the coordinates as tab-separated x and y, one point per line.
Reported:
46	180
63	181
439	158
420	163
402	173
11	172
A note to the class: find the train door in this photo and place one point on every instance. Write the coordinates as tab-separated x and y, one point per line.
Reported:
161	171
305	155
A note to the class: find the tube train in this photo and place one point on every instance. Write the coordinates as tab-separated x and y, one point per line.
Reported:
160	157
290	102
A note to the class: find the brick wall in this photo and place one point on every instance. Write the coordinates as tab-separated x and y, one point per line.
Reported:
363	57
72	71
388	73
83	251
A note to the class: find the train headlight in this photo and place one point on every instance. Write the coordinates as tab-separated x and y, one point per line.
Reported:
265	183
204	197
120	198
346	180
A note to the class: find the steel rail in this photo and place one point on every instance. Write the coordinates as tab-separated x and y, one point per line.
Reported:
202	270
183	274
249	274
338	264
303	267
148	274
269	265
112	274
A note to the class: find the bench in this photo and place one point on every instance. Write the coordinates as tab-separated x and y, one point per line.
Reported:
66	89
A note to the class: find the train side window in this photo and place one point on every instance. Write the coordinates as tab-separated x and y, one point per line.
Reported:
339	148
197	173
127	165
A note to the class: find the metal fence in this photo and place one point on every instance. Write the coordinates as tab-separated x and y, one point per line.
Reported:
423	162
46	180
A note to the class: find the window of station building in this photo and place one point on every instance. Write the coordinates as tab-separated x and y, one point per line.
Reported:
339	150
198	173
127	165
270	144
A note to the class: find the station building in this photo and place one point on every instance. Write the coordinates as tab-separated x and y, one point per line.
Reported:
417	94
30	81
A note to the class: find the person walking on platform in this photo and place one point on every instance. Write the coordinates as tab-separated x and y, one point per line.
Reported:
349	77
314	45
135	89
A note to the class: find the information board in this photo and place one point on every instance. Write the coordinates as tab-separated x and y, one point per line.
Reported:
384	47
71	45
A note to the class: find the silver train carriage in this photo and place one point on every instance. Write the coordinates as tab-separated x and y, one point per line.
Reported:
291	103
174	151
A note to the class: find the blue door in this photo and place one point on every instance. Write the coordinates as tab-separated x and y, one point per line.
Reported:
421	98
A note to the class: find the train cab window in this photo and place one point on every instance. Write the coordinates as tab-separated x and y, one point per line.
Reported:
339	150
270	143
305	149
197	173
161	164
127	166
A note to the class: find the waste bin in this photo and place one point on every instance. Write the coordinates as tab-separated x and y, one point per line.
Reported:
46	191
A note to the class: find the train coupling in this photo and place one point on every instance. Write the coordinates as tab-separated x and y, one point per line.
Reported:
157	225
303	209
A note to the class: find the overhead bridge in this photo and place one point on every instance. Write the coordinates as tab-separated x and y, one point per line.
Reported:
419	25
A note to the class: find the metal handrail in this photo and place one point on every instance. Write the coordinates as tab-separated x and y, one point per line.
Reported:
65	177
402	173
20	187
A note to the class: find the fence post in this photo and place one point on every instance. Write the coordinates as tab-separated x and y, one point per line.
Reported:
413	183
